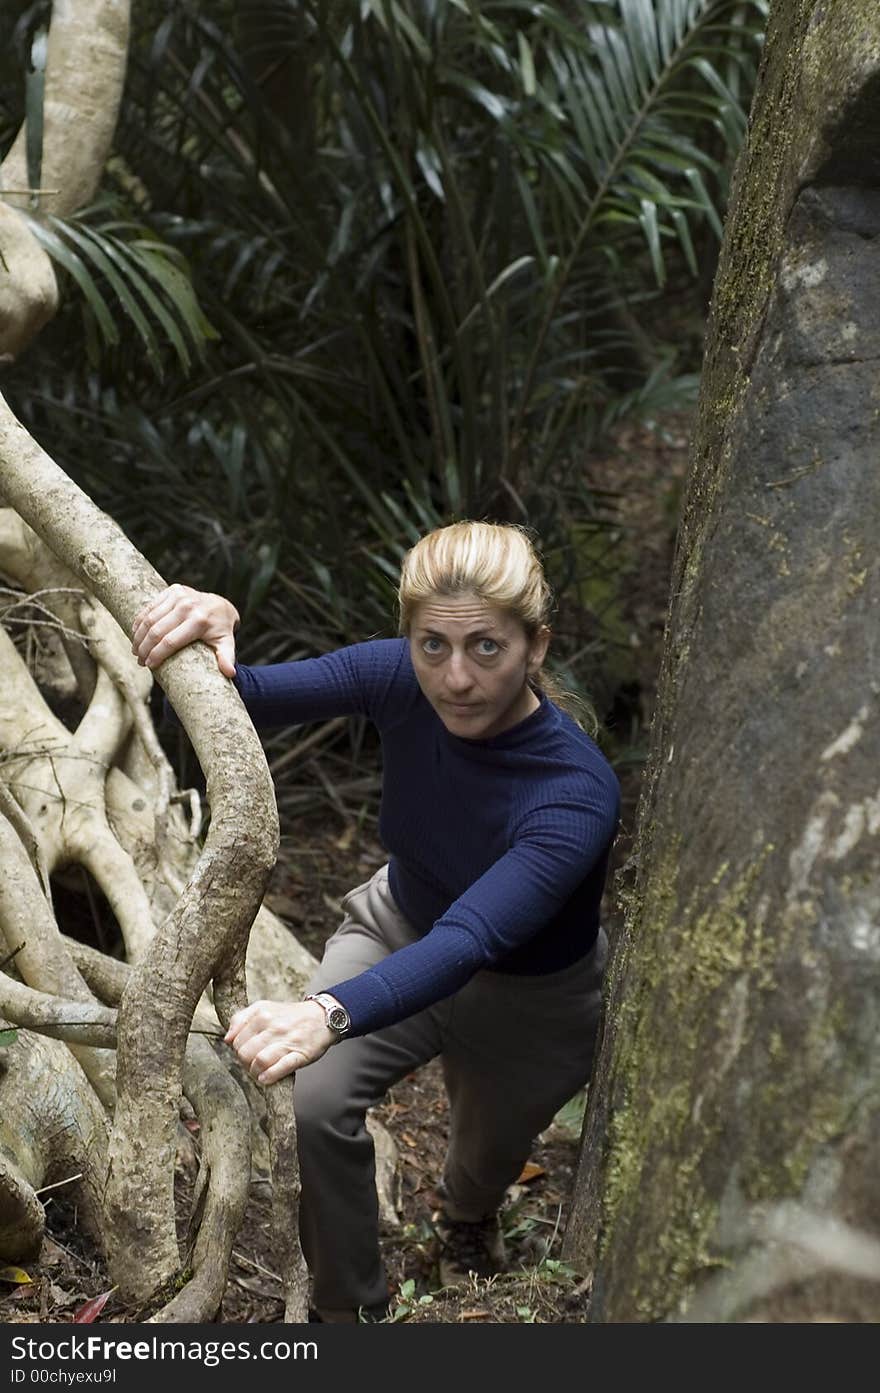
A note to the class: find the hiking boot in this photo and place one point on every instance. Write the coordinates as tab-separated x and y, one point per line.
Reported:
468	1248
365	1315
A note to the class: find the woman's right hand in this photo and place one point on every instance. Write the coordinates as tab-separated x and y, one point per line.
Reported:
181	615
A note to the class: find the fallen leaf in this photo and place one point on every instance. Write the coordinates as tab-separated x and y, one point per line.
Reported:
408	1138
530	1172
92	1309
474	1315
14	1274
56	1296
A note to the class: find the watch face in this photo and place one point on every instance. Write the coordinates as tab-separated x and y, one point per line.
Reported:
338	1018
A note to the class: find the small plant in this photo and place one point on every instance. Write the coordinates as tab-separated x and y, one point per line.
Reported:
408	1301
554	1270
570	1117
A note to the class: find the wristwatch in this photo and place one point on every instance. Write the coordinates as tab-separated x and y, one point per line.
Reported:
336	1016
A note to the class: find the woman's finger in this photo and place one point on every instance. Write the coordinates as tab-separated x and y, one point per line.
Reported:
248	1016
164	641
158	627
262	1051
236	1022
288	1064
251	1029
273	1052
157	607
225	650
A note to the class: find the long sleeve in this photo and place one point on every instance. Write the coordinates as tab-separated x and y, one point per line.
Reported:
558	850
363	679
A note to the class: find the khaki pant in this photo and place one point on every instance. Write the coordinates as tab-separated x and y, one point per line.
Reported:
513	1049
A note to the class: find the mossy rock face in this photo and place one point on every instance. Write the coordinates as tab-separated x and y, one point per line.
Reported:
733	1098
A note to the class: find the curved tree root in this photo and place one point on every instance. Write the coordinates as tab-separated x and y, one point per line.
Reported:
226	1161
70	801
52	1128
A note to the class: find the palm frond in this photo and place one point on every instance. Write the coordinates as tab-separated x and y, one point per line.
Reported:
122	267
639	93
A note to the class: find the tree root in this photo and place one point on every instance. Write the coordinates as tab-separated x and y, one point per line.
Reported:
226	1165
52	1127
73	799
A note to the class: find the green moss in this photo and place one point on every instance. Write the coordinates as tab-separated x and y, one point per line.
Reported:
686	957
182	1279
676	1036
856	580
803	1105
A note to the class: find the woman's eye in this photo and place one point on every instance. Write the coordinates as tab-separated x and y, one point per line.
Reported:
431	645
487	648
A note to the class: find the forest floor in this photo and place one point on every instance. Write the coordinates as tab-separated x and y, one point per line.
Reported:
645	472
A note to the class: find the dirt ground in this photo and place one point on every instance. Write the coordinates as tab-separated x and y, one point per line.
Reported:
320	861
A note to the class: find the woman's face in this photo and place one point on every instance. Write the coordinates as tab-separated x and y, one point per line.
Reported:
473	661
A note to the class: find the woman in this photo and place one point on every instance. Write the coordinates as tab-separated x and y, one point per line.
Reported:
479	941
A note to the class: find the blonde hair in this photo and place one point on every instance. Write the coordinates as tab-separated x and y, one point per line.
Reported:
498	563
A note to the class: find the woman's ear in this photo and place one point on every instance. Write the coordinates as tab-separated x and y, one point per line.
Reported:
538	649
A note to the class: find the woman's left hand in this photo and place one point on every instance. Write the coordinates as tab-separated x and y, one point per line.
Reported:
273	1038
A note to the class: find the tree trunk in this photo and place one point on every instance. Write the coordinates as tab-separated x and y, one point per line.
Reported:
52	1128
86	59
728	1170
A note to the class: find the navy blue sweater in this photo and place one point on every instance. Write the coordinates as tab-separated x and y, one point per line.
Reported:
498	847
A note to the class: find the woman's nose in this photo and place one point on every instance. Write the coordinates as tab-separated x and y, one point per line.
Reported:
458	678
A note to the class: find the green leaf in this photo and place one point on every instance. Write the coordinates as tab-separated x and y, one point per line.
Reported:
92	254
502	279
91	248
684	237
74	264
639	20
134	259
156	261
526	64
701	193
478	92
35	84
648	220
8	1037
570	1116
429	164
